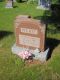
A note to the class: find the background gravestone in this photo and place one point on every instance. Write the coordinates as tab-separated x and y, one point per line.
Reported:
9	4
30	33
44	4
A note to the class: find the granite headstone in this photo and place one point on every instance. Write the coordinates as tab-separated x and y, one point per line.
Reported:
30	33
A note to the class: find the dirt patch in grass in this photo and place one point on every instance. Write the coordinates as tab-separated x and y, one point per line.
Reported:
32	63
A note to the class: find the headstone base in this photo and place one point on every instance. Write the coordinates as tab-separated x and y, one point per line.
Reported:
42	56
42	7
8	7
16	49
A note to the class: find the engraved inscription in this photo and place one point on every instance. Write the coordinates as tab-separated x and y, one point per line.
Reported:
29	41
29	31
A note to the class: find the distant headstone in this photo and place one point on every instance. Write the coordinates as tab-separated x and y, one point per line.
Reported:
43	4
30	33
14	0
9	4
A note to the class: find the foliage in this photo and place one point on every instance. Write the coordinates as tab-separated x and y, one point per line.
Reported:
1	0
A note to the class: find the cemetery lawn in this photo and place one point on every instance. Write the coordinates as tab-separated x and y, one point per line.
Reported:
11	66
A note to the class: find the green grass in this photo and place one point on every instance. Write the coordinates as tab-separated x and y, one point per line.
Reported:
11	66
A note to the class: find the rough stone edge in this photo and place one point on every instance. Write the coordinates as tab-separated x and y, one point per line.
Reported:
42	56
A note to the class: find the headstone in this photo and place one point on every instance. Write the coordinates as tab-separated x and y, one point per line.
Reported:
9	4
14	0
30	33
44	4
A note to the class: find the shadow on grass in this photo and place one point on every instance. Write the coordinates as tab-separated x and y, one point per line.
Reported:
4	34
22	1
52	44
49	20
54	29
15	6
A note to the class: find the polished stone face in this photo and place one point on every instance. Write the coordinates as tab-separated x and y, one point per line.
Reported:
30	33
29	41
